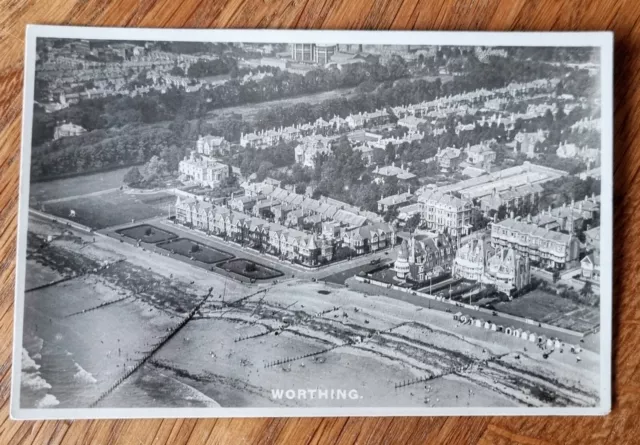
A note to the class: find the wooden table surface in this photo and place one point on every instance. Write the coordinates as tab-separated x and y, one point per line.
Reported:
620	16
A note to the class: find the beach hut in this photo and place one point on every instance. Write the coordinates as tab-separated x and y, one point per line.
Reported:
479	322
487	325
549	342
463	318
517	332
493	327
457	315
509	330
533	337
557	344
524	335
500	328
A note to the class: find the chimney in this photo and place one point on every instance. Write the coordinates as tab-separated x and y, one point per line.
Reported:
512	214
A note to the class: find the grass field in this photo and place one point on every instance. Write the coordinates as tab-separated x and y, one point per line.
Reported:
112	208
78	185
544	307
249	111
204	254
147	233
242	266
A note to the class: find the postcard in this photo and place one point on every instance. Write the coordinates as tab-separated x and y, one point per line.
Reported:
222	223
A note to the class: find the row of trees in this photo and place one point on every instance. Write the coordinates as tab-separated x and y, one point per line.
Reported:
121	149
213	67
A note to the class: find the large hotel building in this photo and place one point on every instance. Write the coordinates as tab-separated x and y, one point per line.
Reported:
447	213
546	247
312	53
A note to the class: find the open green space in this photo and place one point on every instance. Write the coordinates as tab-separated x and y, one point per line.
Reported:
545	307
197	251
112	208
78	185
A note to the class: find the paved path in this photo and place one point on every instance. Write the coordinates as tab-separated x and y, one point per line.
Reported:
70	198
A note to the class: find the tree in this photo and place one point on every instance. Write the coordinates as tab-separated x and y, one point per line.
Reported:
172	155
390	151
132	176
587	290
391	214
413	222
502	212
154	169
301	188
263	170
177	71
379	156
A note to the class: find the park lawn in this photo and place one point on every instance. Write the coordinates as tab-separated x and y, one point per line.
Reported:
204	254
545	307
239	266
250	110
112	208
139	232
77	185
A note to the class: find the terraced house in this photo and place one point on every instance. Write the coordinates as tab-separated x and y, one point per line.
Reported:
447	213
549	248
306	247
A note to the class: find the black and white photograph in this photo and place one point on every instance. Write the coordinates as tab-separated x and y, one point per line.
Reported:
277	223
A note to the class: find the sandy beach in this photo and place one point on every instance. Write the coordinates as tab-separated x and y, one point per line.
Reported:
123	319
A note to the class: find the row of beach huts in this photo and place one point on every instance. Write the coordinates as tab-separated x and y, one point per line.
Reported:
523	334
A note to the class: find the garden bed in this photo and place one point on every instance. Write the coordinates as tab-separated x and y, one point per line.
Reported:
250	269
147	233
195	250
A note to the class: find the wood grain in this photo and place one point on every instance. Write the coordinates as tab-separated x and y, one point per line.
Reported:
620	16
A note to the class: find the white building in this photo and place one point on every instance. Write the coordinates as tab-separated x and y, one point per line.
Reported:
203	170
211	145
66	130
310	147
447	213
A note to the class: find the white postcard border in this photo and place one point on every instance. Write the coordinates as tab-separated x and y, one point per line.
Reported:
603	40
